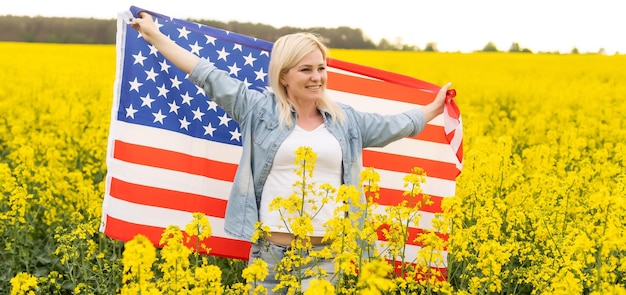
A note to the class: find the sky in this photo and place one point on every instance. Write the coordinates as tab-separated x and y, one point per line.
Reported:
453	25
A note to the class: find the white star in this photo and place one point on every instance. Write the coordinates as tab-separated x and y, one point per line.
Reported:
200	90
197	114
237	47
210	39
130	112
222	54
158	24
183	33
184	124
163	91
175	82
260	75
224	119
195	48
212	105
147	100
164	66
158	117
266	53
134	85
249	60
186	98
235	135
245	81
234	70
153	50
173	107
139	58
151	75
208	129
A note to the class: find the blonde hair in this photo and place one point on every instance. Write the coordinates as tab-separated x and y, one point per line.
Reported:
288	50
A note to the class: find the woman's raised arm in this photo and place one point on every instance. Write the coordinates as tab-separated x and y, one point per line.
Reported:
180	57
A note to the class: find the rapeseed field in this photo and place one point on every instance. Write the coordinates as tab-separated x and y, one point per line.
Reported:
539	207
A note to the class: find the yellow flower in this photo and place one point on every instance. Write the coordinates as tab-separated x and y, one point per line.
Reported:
23	283
305	161
138	257
261	231
199	226
174	262
374	278
302	226
255	271
320	287
198	230
207	280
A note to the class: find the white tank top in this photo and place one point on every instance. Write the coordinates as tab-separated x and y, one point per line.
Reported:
282	176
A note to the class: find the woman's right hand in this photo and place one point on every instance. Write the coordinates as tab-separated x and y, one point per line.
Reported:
180	57
145	25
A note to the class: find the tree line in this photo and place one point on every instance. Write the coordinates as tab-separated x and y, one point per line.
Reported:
103	31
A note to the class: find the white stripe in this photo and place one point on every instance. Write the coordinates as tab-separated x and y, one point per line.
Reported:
177	142
449	122
192	184
205	186
347	73
158	217
174	141
457	139
173	180
411	254
425	218
415	148
370	104
162	217
169	179
432	186
353	74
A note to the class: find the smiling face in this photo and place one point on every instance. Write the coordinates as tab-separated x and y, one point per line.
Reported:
306	81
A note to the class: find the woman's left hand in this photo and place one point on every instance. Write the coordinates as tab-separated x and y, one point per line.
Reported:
435	108
440	99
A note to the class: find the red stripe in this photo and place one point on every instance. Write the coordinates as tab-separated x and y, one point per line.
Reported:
459	151
164	198
392	197
394	162
171	160
387	76
433	133
413	234
423	274
379	89
160	158
126	231
453	109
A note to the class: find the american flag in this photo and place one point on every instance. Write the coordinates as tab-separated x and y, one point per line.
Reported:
172	151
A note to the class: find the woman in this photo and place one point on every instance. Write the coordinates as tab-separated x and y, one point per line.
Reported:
273	124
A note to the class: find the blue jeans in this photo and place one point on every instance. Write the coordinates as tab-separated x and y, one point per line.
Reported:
272	254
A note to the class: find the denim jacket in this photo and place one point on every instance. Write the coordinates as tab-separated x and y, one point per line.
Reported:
257	115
